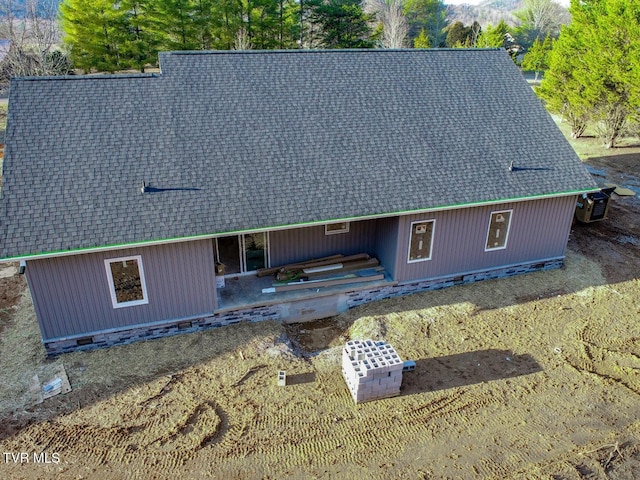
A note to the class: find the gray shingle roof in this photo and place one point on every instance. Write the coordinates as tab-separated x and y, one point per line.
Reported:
232	141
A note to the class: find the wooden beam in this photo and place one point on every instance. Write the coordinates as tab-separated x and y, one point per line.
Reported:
351	266
323	283
263	272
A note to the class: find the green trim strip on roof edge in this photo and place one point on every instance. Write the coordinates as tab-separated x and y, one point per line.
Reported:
149	243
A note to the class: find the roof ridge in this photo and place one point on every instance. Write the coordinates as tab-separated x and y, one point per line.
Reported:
319	51
91	76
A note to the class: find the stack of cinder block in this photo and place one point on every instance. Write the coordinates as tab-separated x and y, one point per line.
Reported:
372	370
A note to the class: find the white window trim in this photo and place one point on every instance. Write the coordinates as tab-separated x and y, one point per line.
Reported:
433	230
506	239
112	288
335	232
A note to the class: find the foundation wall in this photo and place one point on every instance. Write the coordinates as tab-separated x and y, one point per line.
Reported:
287	312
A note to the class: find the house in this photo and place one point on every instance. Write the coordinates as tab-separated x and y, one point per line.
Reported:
122	194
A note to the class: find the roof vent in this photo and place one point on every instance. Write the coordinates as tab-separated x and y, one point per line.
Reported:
510	169
143	188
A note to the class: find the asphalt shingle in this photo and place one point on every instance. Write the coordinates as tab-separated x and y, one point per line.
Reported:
232	141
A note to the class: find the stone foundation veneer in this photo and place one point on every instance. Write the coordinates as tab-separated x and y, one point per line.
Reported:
273	312
149	332
366	296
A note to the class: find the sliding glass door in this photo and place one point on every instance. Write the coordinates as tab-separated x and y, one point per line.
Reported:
243	253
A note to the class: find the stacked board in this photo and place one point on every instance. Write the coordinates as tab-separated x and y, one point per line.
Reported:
324	272
372	370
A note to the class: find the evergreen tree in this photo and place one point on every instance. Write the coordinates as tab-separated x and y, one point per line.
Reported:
461	36
499	37
140	47
430	16
96	31
494	37
422	40
537	57
175	25
561	90
337	24
594	65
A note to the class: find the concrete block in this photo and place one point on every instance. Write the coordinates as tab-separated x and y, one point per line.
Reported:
379	374
383	382
365	387
408	366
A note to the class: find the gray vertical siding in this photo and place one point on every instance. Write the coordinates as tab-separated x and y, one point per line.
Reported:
298	244
387	243
71	294
539	230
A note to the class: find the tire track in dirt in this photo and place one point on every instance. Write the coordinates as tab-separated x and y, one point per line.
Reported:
610	358
199	428
369	427
178	426
382	434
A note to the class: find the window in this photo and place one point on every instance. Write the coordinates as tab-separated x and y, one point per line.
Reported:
333	228
126	280
498	232
421	240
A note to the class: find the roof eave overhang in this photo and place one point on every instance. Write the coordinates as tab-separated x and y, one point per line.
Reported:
148	243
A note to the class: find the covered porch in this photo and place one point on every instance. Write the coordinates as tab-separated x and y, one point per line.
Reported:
354	256
246	291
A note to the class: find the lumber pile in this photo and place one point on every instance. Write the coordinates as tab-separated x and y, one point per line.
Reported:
324	272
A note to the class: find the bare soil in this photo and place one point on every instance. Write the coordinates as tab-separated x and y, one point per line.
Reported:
536	376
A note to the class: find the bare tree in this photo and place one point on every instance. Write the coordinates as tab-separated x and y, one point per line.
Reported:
543	17
390	13
242	40
33	39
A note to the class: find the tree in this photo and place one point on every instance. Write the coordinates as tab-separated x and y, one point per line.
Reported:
32	40
460	36
140	46
493	37
430	16
337	24
560	89
110	35
174	22
95	31
263	24
594	65
422	40
540	18
537	57
390	14
499	37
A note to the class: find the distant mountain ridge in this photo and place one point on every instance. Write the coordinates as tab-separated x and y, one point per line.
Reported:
19	8
489	12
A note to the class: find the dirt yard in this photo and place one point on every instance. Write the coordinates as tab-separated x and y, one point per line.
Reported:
537	376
